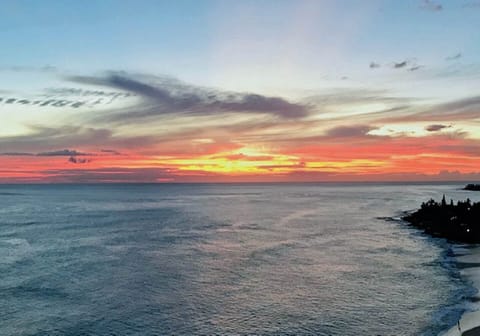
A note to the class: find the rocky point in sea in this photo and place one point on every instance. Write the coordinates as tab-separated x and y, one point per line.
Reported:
458	222
472	187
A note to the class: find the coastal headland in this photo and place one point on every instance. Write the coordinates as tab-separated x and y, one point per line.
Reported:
459	223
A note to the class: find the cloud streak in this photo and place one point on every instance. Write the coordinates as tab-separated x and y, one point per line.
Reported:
436	127
168	96
174	131
64	152
453	57
74	159
431	6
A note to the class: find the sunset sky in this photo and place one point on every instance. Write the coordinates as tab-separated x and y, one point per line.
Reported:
239	91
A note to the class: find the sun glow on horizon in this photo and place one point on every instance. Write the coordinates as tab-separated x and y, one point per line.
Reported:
313	91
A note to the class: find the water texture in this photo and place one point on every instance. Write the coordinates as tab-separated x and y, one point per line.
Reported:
226	259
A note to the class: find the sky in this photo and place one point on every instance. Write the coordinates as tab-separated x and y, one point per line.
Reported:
239	91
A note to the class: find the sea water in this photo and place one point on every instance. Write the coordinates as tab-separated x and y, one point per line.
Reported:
223	259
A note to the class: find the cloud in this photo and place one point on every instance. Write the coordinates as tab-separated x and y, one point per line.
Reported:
431	6
67	97
472	4
337	97
40	139
162	95
374	65
436	127
349	131
110	151
74	159
409	64
462	109
400	65
21	68
453	57
64	152
415	68
17	154
467	108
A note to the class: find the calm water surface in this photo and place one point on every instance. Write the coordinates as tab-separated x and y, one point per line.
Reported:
289	259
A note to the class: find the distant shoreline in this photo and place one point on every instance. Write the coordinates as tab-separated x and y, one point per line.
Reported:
472	187
337	183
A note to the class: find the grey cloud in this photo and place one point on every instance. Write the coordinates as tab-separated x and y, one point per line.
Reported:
69	91
472	4
408	63
41	138
43	102
354	96
462	109
349	131
164	95
17	154
400	65
74	159
469	106
20	68
436	127
110	151
64	152
415	68
454	57
69	97
432	6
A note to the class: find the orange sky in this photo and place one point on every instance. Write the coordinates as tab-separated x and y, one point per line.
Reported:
339	154
282	91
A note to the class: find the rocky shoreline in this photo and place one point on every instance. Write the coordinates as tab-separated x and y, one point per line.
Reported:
458	222
472	187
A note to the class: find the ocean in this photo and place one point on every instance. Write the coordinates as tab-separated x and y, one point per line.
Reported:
224	259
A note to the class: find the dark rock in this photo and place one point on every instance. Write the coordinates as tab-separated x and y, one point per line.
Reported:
472	187
459	223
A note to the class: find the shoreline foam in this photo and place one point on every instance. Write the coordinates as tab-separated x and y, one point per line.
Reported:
468	258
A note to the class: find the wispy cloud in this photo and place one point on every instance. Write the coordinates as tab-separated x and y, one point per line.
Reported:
22	68
399	65
40	139
64	152
453	57
472	4
169	96
461	109
349	131
74	159
415	68
430	5
110	151
436	127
